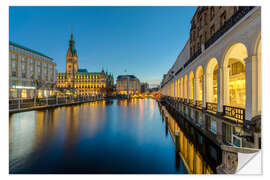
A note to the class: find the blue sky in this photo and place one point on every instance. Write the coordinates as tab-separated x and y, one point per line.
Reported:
143	40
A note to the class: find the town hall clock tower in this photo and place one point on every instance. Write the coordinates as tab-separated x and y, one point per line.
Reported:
71	62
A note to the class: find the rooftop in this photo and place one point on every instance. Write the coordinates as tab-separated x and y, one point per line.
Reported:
124	77
28	49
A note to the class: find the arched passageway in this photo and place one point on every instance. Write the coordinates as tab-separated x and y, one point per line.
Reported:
191	86
259	78
212	81
199	84
234	76
178	87
182	87
185	86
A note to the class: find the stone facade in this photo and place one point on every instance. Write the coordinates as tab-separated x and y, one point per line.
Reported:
79	81
128	85
225	76
30	72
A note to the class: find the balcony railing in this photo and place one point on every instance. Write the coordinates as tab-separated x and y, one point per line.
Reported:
234	112
190	102
212	107
199	104
242	11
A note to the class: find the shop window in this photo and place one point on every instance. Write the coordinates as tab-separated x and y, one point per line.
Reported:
24	93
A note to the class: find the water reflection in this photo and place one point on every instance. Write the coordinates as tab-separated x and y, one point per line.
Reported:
118	136
200	154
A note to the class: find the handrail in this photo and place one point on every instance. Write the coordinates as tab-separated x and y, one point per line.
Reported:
211	106
198	104
32	102
234	112
190	102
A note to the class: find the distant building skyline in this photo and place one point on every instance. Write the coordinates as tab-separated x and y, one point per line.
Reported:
144	41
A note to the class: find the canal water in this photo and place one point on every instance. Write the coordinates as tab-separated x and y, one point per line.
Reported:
116	136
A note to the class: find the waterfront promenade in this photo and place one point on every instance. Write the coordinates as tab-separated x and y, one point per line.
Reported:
20	105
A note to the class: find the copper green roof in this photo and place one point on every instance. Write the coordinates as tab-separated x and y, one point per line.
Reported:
28	49
81	73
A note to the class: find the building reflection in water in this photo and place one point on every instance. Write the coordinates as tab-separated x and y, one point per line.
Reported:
201	156
29	132
84	138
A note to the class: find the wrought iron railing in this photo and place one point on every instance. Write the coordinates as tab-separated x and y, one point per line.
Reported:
211	107
190	102
242	11
234	112
199	104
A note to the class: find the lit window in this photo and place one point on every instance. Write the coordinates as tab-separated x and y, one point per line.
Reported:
13	56
23	67
14	64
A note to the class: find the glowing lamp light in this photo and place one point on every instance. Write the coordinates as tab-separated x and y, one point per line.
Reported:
23	87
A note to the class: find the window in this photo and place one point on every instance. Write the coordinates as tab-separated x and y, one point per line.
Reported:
23	75
205	18
13	56
14	83
23	67
200	23
237	68
14	74
212	12
200	39
212	30
205	36
14	64
235	9
223	19
213	152
23	59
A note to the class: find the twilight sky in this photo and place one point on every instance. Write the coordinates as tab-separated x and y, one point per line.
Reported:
143	40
